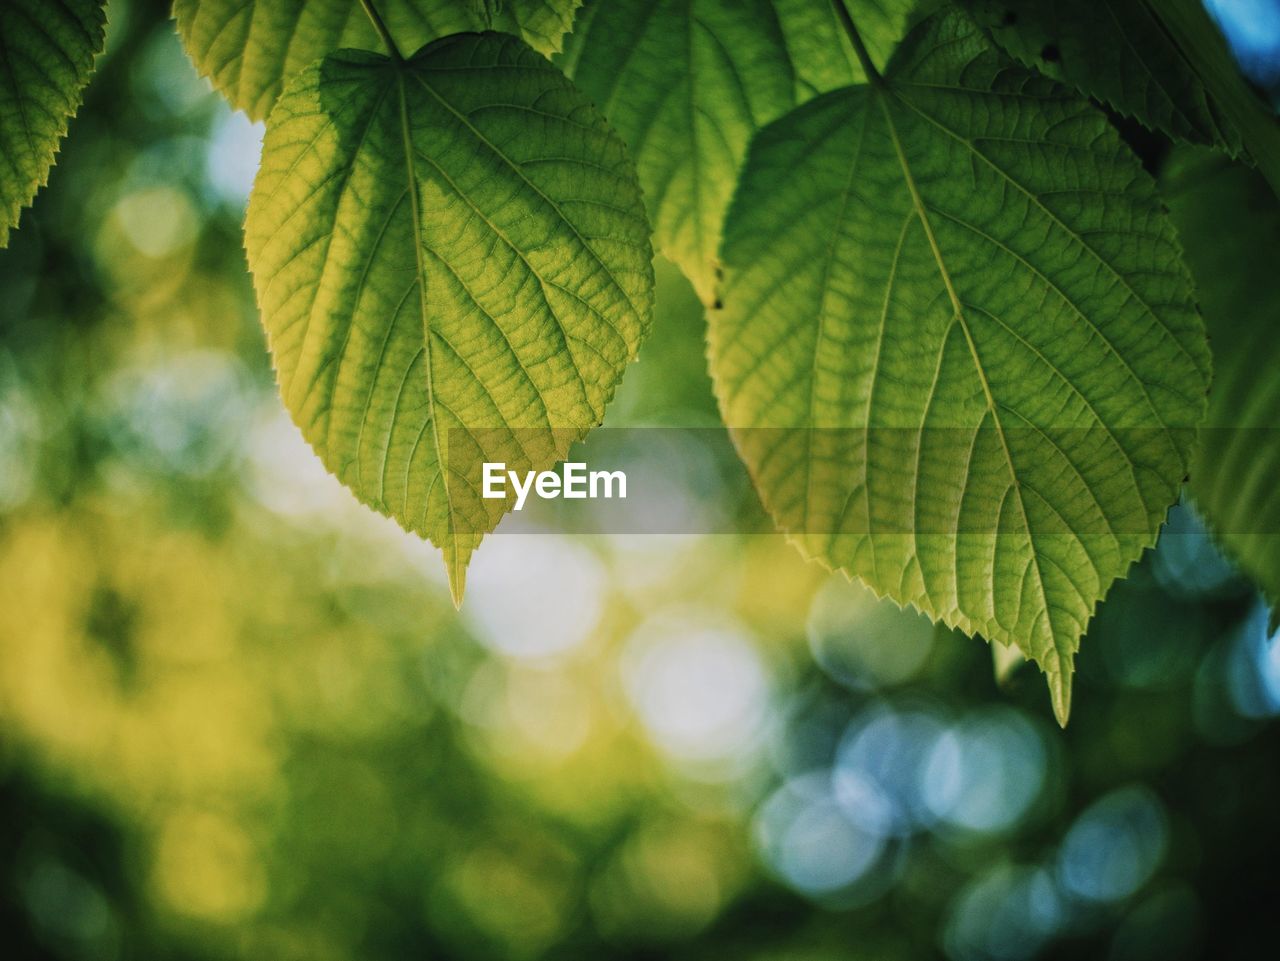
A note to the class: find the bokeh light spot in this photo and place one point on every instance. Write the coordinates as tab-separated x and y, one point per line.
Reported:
1007	914
698	685
235	145
984	773
534	596
806	836
1253	665
157	220
880	767
863	642
1115	846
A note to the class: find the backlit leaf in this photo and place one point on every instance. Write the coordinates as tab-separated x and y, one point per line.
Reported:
46	59
957	348
249	48
688	82
1162	62
452	262
1114	50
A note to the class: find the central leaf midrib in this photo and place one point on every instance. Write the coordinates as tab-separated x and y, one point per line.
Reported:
411	176
882	95
1075	308
1057	221
542	282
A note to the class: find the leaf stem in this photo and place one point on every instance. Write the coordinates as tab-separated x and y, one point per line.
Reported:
381	27
860	48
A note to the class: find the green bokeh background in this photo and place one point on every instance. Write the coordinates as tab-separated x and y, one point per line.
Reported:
239	717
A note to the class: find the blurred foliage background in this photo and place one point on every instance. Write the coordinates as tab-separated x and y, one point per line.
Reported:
239	717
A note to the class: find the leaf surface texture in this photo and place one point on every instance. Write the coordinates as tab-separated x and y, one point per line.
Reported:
958	349
46	58
250	48
452	262
1116	51
1162	62
687	83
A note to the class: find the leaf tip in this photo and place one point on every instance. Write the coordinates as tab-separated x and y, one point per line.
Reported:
1060	695
457	583
458	549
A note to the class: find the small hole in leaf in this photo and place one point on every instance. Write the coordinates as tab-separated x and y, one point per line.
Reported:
1050	53
718	305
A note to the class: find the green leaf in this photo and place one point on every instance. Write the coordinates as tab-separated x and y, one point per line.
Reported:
452	262
1164	63
1188	23
1229	222
1116	51
250	48
688	82
957	348
46	59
